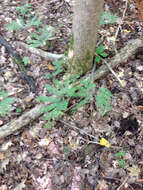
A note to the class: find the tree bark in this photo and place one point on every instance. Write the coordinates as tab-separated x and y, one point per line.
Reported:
85	27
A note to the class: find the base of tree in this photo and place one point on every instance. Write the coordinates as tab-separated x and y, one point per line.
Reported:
34	113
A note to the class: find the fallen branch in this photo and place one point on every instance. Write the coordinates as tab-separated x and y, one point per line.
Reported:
22	121
111	70
121	57
34	113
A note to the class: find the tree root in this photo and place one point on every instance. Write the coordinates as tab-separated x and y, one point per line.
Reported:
39	52
34	113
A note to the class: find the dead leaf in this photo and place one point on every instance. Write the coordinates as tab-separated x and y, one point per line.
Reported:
134	171
28	99
4	164
50	67
102	185
45	142
27	137
3	187
2	156
20	186
6	145
1	122
140	108
139	4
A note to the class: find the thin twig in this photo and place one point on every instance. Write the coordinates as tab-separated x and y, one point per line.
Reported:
111	70
119	26
72	125
122	183
80	130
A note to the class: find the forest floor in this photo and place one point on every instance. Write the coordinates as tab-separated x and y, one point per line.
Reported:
63	158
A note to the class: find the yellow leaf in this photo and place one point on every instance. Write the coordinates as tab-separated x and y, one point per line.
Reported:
127	31
104	142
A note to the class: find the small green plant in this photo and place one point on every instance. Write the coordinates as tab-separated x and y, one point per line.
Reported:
103	99
18	110
100	53
25	9
61	93
45	34
108	18
58	68
24	14
65	151
5	103
25	60
120	155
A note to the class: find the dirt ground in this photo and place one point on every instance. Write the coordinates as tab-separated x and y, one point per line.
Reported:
63	158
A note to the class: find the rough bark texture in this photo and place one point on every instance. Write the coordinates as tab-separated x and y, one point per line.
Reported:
121	57
22	121
85	27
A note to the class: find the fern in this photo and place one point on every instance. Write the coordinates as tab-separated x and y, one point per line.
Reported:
103	99
25	9
100	53
25	60
108	18
24	14
5	103
45	34
61	93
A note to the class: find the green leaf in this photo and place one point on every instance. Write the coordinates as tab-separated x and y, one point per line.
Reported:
97	59
81	103
100	52
103	54
52	89
120	154
13	26
100	49
3	94
18	110
5	103
62	105
24	9
48	76
25	60
34	21
103	99
108	18
121	163
48	109
44	35
36	36
66	151
47	99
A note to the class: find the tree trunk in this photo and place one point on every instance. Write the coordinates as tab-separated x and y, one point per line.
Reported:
86	21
